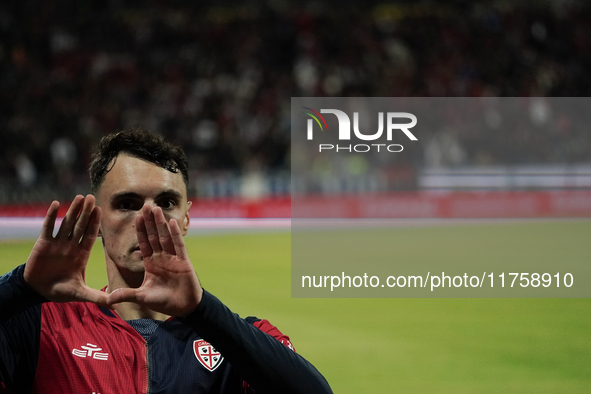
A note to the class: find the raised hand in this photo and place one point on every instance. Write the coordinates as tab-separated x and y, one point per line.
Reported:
56	267
170	283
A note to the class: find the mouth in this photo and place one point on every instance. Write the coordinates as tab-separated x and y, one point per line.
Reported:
134	249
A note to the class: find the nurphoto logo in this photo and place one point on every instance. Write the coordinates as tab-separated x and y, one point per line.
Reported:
344	133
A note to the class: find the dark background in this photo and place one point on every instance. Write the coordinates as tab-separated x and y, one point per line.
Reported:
217	77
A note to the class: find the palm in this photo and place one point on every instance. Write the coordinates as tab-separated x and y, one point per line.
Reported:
56	265
57	271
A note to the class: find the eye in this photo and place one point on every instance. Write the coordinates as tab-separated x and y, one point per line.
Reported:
167	203
127	205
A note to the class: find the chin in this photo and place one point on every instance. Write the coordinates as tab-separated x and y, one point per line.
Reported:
132	266
137	267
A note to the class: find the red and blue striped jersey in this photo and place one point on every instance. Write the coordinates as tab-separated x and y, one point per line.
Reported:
79	347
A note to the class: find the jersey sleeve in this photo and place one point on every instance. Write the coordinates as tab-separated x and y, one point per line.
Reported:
265	326
20	328
266	360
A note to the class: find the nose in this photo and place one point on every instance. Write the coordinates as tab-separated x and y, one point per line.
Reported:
150	203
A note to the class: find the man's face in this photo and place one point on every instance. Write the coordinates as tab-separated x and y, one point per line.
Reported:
130	184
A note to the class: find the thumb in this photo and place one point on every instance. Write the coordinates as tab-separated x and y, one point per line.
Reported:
87	294
125	295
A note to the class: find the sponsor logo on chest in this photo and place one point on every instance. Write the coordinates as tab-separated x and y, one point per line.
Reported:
90	351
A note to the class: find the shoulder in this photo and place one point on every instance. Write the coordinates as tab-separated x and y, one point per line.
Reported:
268	328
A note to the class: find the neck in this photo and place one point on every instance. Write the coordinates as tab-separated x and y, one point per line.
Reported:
132	311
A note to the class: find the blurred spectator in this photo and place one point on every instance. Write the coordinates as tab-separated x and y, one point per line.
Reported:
25	170
217	79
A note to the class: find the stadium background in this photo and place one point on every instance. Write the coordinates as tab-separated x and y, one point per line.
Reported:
217	78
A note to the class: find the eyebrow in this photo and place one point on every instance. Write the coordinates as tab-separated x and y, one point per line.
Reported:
166	193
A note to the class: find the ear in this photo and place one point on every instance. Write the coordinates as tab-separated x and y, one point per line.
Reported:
100	235
187	219
100	232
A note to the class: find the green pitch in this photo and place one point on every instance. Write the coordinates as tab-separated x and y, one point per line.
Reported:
402	345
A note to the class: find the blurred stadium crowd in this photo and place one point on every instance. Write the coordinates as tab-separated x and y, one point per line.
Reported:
218	78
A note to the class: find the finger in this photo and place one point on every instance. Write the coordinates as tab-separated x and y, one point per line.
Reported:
82	221
178	241
49	222
151	229
70	218
142	236
125	295
92	229
163	231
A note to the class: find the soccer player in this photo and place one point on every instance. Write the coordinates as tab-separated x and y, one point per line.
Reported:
153	328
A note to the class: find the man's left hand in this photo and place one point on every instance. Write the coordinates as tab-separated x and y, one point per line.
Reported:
170	283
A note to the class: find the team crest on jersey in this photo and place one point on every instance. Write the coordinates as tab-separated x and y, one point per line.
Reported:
207	355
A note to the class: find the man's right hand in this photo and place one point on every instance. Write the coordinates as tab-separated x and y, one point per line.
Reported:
57	265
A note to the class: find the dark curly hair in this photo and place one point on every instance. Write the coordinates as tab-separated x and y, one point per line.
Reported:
137	143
